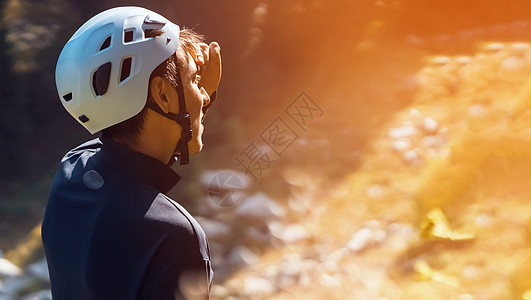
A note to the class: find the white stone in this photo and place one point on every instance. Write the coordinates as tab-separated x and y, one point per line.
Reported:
360	240
256	236
376	191
441	61
209	177
431	153
291	265
476	110
330	281
399	236
259	207
40	295
403	132
521	46
467	297
414	112
401	144
291	234
411	156
305	279
463	60
8	268
431	141
511	63
12	285
429	125
372	224
39	270
483	220
445	153
494	47
411	39
471	272
257	286
215	230
379	235
242	255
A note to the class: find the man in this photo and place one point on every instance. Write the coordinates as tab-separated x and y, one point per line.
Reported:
109	231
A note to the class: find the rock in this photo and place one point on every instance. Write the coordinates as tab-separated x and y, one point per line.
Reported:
13	285
494	47
403	132
209	176
401	144
360	240
482	220
241	255
364	238
476	110
431	141
511	64
290	234
411	156
225	187
305	279
471	272
291	265
215	230
414	112
330	281
399	236
259	208
463	60
257	237
256	286
372	224
440	61
332	262
7	268
429	125
376	191
39	270
466	297
521	46
40	295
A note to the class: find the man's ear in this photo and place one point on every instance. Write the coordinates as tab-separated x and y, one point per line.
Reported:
159	89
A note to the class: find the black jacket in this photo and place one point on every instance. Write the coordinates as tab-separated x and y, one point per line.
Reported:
109	231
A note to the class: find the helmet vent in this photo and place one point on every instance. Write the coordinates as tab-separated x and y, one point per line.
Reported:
128	36
126	68
67	97
100	79
83	119
106	44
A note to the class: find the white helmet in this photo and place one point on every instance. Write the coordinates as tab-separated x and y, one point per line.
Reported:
102	74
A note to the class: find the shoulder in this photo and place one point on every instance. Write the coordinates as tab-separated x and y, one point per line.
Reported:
87	148
168	214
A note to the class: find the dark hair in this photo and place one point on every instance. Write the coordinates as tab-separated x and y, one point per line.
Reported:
129	130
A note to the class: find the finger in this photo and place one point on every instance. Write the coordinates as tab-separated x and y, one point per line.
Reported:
214	50
204	51
214	54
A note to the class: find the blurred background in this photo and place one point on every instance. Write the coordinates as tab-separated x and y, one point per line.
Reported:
411	184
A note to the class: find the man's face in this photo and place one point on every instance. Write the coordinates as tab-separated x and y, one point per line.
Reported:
196	98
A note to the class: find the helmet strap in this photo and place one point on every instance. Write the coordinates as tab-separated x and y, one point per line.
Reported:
183	119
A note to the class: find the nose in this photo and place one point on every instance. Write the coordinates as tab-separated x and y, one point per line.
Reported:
206	98
207	101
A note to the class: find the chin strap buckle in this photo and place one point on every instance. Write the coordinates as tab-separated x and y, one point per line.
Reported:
183	118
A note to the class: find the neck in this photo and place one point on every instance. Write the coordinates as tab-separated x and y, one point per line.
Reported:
157	137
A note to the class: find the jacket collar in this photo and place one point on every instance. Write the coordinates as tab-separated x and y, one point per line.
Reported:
142	167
